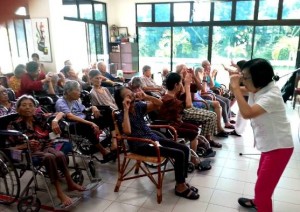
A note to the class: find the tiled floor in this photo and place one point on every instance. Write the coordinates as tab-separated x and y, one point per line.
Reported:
231	177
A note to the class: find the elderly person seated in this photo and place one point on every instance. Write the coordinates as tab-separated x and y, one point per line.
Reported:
6	106
36	128
74	111
133	124
101	96
34	80
148	84
15	81
70	74
102	68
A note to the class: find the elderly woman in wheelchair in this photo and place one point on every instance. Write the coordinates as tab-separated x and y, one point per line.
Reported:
131	120
86	126
35	127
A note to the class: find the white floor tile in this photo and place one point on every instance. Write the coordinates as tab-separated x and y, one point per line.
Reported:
284	207
117	206
133	196
190	205
204	181
230	185
225	198
168	202
218	208
92	205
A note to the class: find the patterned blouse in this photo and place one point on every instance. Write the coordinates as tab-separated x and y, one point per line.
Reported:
39	132
15	84
5	111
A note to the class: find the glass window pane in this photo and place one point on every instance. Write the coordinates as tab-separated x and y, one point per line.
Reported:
245	10
231	42
13	43
70	11
99	46
268	9
291	9
5	62
155	49
22	47
223	11
144	13
100	13
162	12
201	11
92	42
190	44
279	44
86	11
182	11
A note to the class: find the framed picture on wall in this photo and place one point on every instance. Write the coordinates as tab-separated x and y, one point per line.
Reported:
39	38
123	32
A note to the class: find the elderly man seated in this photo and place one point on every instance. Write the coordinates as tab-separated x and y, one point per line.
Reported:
148	84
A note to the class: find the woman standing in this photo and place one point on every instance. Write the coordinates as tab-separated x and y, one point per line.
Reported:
272	131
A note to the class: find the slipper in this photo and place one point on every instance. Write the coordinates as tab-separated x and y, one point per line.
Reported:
188	194
204	165
243	202
222	134
209	153
232	121
234	133
75	201
215	144
230	127
194	189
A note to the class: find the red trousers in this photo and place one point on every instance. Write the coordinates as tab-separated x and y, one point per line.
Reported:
271	167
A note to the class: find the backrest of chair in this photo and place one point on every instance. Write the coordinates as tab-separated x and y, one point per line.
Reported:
11	94
5	120
3	81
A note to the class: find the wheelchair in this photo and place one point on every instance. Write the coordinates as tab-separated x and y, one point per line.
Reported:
10	162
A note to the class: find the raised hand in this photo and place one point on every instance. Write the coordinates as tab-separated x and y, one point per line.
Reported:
235	80
126	103
188	79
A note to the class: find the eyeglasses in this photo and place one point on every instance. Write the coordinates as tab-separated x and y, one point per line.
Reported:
4	91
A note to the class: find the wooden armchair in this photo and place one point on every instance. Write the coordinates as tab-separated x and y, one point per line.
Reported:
124	157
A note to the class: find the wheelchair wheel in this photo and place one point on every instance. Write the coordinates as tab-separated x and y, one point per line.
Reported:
92	168
77	177
29	204
9	181
154	165
84	146
191	167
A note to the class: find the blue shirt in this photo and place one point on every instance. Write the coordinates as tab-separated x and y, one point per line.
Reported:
74	107
139	127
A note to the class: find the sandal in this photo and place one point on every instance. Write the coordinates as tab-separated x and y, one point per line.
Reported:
188	194
204	165
209	153
108	157
215	144
234	133
194	189
230	127
222	134
232	121
247	203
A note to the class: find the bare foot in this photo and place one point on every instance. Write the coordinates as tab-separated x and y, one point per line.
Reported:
65	200
76	187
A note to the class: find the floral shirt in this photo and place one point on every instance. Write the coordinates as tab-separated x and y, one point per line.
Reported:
15	84
5	111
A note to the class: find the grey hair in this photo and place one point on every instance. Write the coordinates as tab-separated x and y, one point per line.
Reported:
26	97
136	82
20	69
146	68
199	69
179	68
70	86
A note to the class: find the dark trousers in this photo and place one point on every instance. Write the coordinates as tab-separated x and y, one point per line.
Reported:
85	131
187	130
170	149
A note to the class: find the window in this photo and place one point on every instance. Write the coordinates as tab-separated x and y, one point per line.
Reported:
21	39
244	10
201	11
189	44
144	13
70	11
92	15
231	42
154	48
291	9
86	11
162	12
268	9
6	60
181	11
100	12
222	11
